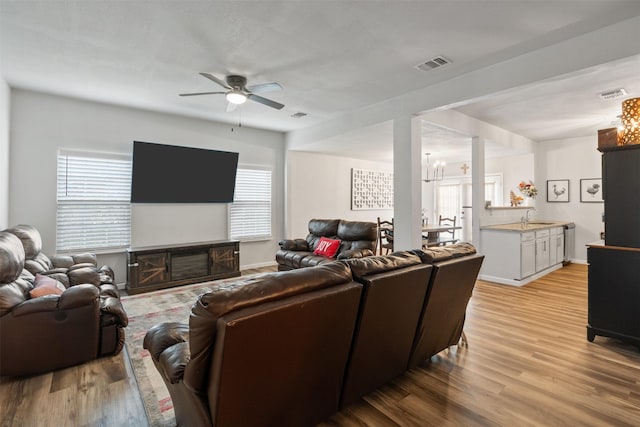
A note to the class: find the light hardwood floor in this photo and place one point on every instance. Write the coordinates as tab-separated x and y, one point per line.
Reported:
528	364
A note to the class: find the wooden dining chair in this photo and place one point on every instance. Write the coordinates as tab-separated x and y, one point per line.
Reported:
385	236
450	235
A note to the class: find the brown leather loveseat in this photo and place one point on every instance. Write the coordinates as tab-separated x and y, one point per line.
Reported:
292	348
54	312
356	240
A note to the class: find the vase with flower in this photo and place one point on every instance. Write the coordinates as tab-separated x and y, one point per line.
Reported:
528	189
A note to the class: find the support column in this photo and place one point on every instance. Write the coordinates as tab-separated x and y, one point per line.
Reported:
477	189
407	176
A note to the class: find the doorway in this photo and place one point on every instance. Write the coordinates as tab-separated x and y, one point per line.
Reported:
453	195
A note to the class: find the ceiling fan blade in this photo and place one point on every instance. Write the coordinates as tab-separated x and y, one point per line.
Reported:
215	79
265	101
264	87
231	107
201	93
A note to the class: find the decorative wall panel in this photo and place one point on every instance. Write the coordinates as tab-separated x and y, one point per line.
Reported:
371	190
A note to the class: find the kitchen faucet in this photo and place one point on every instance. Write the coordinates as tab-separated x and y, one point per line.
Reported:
524	221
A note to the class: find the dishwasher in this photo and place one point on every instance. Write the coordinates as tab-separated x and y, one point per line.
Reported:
569	243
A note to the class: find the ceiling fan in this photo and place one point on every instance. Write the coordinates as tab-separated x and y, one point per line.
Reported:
238	92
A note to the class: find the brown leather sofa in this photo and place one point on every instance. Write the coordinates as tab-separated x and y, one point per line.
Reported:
357	239
43	333
291	348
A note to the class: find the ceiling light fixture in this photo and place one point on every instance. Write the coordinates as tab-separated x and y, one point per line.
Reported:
236	97
437	174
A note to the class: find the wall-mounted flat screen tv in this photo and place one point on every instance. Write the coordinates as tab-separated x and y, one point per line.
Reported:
171	174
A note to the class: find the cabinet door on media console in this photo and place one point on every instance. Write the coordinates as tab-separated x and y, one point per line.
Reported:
152	269
224	258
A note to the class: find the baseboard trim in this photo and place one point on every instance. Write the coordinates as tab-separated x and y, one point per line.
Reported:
258	265
513	282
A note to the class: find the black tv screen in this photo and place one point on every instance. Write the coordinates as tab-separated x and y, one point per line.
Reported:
171	174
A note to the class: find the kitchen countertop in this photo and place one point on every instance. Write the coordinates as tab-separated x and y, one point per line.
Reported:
534	225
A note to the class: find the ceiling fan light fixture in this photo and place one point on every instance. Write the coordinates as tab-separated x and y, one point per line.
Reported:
236	97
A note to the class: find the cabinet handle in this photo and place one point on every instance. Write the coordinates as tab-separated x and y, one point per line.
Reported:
135	264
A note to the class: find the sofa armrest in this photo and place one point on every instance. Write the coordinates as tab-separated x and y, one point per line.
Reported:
168	344
78	296
174	360
113	306
294	245
355	253
164	335
106	274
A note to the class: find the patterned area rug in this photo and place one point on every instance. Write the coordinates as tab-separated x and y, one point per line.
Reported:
149	309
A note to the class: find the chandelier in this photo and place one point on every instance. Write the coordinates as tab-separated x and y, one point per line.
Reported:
435	172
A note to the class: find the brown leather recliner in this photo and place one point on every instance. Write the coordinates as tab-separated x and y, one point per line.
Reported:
43	333
455	270
267	351
357	239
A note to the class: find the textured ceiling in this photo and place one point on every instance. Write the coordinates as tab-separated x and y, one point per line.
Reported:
331	57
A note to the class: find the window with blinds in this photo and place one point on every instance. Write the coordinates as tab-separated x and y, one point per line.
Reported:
449	200
93	201
250	212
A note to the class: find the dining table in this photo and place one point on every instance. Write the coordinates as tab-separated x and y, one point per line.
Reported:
433	232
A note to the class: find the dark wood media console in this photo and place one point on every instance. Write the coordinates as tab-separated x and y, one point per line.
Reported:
158	267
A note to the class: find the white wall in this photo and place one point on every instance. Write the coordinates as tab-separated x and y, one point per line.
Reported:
319	186
572	159
4	153
514	169
42	124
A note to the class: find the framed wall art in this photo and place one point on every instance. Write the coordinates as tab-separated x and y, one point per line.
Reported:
371	190
558	190
591	190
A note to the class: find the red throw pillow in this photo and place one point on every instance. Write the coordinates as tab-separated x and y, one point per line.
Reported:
44	285
327	247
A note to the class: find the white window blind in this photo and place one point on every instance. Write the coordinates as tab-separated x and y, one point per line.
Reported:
93	201
250	212
448	200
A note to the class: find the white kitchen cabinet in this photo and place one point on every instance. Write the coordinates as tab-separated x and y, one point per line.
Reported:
515	254
542	250
556	246
527	254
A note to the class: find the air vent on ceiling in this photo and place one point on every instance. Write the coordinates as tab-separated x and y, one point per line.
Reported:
432	63
298	115
612	94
